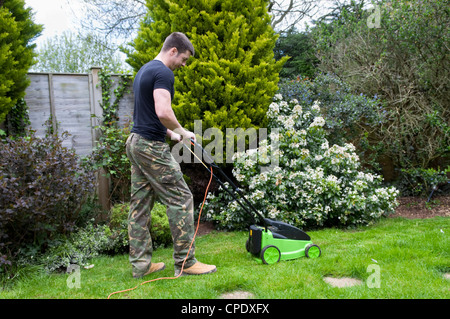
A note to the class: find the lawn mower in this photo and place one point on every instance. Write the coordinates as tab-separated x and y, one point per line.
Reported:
273	240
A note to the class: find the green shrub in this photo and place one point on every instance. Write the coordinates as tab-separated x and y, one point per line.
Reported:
110	154
233	76
349	116
81	246
420	181
313	185
17	32
160	230
43	186
405	62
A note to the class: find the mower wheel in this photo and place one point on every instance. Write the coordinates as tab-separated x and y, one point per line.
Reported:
270	254
247	245
312	251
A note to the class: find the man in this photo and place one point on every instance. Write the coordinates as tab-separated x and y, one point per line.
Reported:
154	171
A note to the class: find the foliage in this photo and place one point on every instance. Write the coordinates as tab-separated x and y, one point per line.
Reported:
110	151
159	230
313	185
92	240
420	181
17	31
81	246
43	187
75	53
349	116
405	61
300	49
233	76
17	119
112	94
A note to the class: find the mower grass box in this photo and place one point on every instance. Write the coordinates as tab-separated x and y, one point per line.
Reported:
280	241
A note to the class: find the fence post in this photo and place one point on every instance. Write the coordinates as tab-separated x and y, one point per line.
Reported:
97	112
52	103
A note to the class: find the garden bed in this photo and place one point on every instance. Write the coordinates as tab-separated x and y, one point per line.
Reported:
418	207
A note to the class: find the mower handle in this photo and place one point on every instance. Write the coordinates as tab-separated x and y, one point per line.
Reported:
233	185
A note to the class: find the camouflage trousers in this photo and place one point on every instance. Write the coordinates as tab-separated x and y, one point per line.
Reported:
156	175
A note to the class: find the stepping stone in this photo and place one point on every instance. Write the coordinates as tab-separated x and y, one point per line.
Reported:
237	295
342	282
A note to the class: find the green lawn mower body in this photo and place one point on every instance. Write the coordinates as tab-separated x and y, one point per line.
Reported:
280	241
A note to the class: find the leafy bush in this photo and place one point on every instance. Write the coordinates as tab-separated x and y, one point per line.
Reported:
17	32
94	240
82	245
233	76
406	63
299	47
43	186
110	154
349	116
160	230
420	181
313	185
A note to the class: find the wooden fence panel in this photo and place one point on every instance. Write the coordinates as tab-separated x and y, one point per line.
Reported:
73	111
71	101
38	102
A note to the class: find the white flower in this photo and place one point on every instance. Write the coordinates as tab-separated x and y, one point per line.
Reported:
278	97
289	123
318	121
324	145
248	164
273	212
306	115
274	107
297	109
316	106
332	179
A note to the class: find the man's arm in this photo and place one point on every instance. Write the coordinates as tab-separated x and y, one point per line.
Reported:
164	111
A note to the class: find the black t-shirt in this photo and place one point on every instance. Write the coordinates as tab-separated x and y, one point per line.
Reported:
153	75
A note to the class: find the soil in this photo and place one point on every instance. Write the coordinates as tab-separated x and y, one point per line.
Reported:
417	207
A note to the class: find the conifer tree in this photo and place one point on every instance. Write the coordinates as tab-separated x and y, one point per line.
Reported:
17	30
233	77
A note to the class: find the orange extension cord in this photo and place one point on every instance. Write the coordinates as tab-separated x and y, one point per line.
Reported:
193	239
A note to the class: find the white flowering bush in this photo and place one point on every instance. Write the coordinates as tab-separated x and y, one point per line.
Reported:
314	184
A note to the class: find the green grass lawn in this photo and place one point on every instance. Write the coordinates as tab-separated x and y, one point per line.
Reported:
412	256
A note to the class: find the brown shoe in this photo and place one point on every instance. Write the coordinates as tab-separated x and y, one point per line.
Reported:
197	269
153	268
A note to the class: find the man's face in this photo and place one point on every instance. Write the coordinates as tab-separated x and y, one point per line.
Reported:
178	59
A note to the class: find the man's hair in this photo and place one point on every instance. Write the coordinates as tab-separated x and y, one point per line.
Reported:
180	41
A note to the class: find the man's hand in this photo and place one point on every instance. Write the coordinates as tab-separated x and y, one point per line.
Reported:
189	135
179	134
174	136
